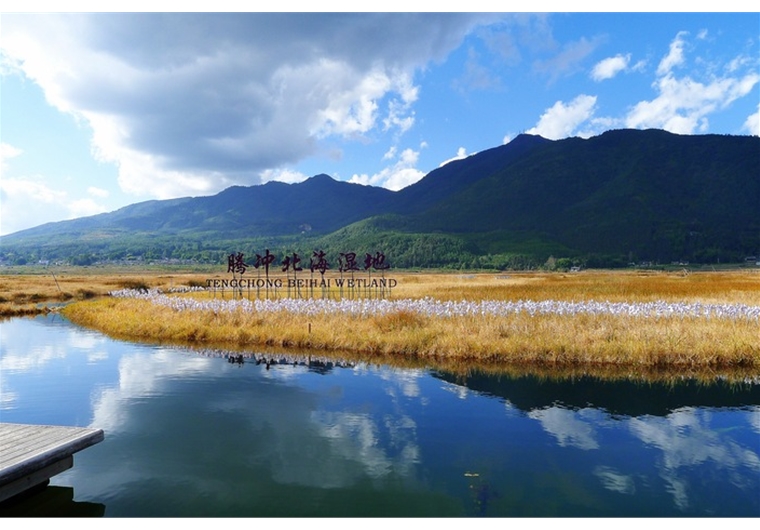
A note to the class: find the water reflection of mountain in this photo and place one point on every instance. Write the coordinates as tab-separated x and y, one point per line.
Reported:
628	398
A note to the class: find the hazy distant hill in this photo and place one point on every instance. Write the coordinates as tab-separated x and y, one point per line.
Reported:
624	195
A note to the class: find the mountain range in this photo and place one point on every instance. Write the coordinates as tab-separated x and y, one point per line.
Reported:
622	196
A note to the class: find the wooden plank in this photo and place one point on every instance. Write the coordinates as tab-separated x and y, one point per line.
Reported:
34	479
31	454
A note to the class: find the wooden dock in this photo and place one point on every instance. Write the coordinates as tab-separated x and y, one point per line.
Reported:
31	454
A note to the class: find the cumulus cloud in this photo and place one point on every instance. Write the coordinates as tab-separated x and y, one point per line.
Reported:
752	125
610	67
461	153
283	175
562	120
84	207
400	174
683	104
191	103
29	202
98	192
7	152
675	55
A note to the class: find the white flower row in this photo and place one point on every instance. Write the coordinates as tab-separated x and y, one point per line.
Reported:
432	307
186	289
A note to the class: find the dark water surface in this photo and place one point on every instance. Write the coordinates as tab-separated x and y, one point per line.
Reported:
192	434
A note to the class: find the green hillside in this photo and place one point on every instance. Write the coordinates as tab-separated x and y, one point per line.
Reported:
626	195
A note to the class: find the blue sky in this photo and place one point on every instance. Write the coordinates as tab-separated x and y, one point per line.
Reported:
103	110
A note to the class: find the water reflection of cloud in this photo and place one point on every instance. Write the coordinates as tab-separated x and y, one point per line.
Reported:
27	360
20	353
8	398
277	428
356	438
686	440
614	480
91	343
83	340
109	413
141	374
567	427
97	356
459	391
17	355
754	419
405	380
338	448
21	356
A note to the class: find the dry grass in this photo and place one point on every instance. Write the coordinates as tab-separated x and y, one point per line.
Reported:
30	294
594	339
605	342
741	286
579	340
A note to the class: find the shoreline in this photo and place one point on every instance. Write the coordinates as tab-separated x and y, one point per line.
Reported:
418	329
575	325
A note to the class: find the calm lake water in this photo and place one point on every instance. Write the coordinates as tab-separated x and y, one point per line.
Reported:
192	434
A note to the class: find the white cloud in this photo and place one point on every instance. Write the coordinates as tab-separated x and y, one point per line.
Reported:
683	105
739	62
84	207
98	192
16	187
562	120
400	114
399	175
189	104
675	55
461	153
752	125
610	67
283	175
7	152
28	202
353	111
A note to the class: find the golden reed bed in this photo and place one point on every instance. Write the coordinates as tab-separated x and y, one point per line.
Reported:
609	342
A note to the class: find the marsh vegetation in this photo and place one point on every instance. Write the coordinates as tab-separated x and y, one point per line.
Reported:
624	319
